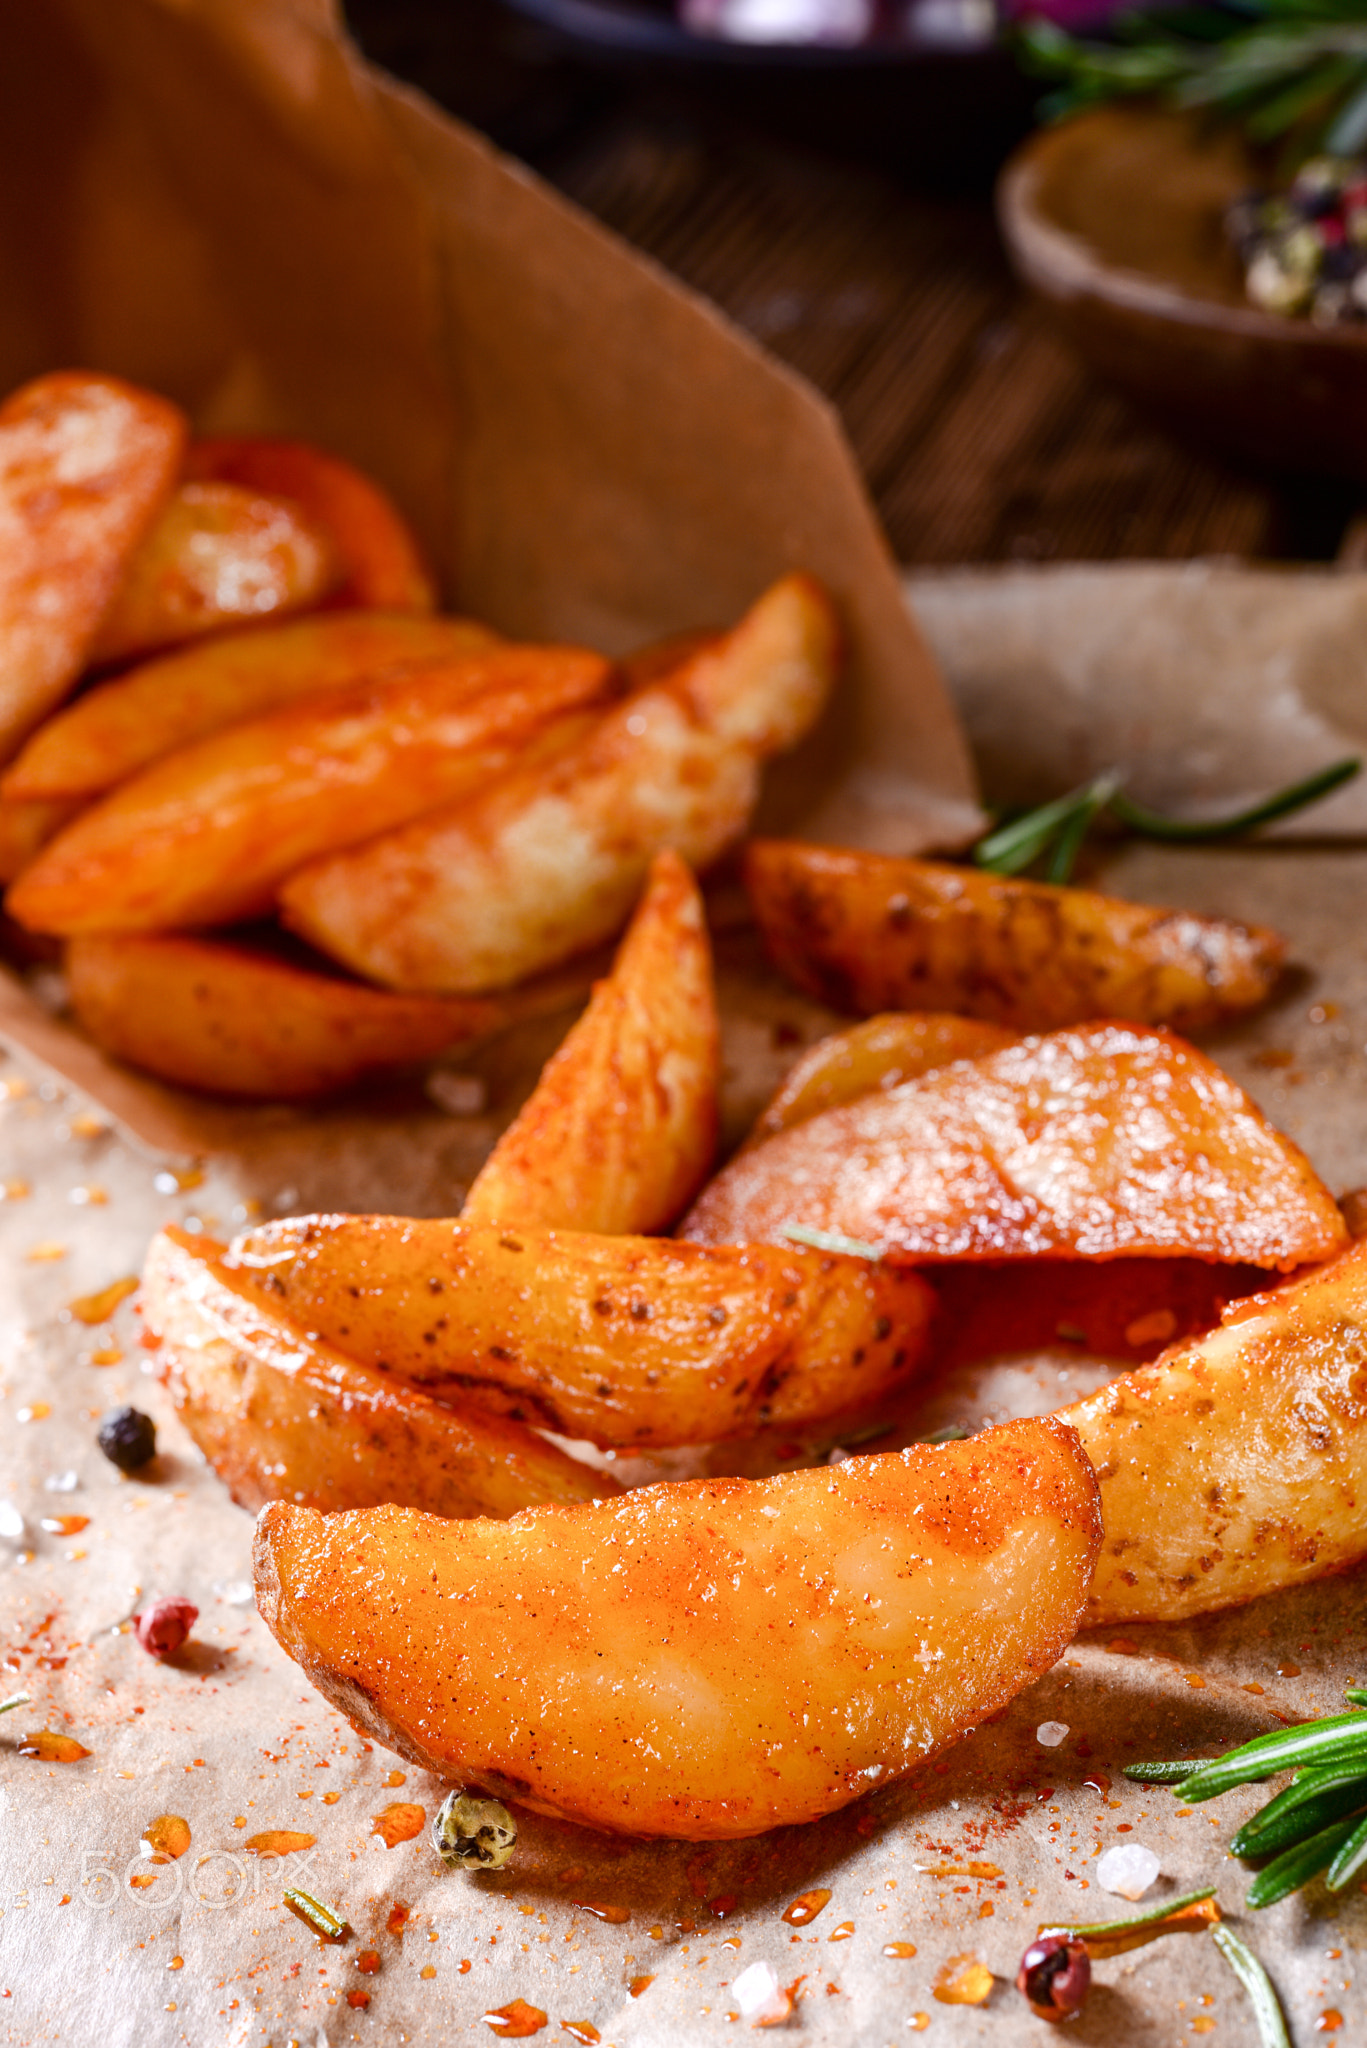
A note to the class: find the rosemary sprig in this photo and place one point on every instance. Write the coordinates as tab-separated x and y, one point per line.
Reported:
1112	1930
1059	829
1298	1864
1267	2007
1316	1798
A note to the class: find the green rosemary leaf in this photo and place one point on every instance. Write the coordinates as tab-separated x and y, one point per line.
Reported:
1356	1695
952	1433
1349	1859
1153	825
1267	2007
1104	1930
1297	1865
16	1699
1015	845
1316	1798
1338	1739
831	1241
1159	1774
1068	845
1348	133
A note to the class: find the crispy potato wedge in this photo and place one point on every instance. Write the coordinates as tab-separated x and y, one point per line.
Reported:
85	464
551	860
620	1340
863	932
218	556
1236	1464
620	1132
701	1660
26	827
238	1020
280	1415
205	836
112	731
1106	1141
875	1055
381	562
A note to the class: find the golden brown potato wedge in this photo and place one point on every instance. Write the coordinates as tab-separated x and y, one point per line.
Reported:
621	1130
218	556
26	827
1103	1142
863	932
382	564
280	1415
112	731
237	1020
551	860
85	464
205	836
869	1057
620	1340
701	1660
1236	1464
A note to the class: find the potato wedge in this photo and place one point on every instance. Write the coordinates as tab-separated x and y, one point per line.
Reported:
620	1340
112	731
218	556
85	464
701	1660
1237	1464
205	836
863	932
26	827
551	860
873	1056
621	1130
381	562
281	1416
238	1020
1106	1141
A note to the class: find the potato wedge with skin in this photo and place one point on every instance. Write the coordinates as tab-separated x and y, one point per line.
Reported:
205	836
218	556
119	727
1103	1142
620	1131
620	1340
237	1020
551	860
1236	1464
85	464
703	1660
26	827
380	559
870	1057
864	932
281	1416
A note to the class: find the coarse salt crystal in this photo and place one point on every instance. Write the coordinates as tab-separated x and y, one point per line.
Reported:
1128	1872
61	1482
1051	1733
457	1094
237	1592
758	1996
11	1522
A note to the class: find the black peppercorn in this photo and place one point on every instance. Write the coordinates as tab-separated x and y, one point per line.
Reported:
128	1438
1055	1976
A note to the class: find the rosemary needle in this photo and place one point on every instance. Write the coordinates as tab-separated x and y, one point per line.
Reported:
1267	2007
1108	1930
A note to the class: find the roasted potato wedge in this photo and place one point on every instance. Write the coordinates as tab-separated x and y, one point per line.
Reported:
119	727
238	1020
1106	1141
701	1660
877	1054
1236	1464
863	932
26	827
205	836
621	1130
217	557
620	1340
551	860
280	1415
381	562
85	465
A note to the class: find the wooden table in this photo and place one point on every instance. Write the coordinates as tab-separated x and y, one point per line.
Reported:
982	437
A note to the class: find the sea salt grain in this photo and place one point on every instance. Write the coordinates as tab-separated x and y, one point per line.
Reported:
11	1522
61	1482
758	1996
1127	1872
237	1592
1050	1734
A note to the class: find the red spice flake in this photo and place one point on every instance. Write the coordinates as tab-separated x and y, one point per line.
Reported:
277	1842
368	1961
50	1748
98	1308
401	1822
358	2000
614	1915
398	1916
806	1907
64	1525
638	1985
515	2021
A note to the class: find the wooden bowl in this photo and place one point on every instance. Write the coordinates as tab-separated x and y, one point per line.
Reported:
1116	218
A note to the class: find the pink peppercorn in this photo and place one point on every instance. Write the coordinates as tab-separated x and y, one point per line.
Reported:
163	1626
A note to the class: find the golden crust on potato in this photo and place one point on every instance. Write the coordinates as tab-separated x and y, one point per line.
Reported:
281	1415
1236	1464
874	1055
865	932
621	1129
1105	1141
626	1341
701	1660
